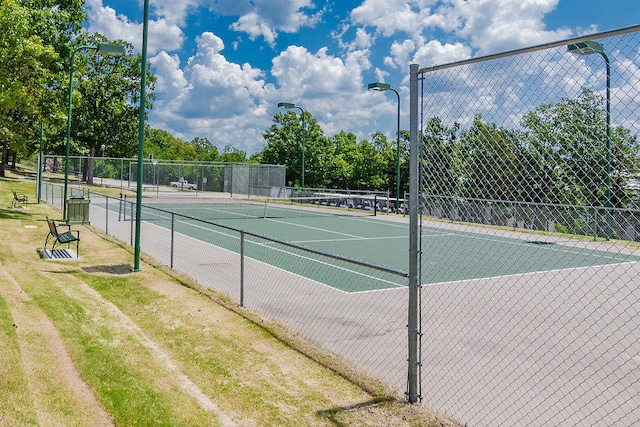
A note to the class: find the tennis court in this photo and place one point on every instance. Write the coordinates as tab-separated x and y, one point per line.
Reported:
477	252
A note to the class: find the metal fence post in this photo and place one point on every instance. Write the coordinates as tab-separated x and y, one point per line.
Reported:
242	268
106	215
173	228
413	327
132	223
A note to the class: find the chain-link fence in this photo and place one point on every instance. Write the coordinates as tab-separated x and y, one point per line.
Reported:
530	204
234	178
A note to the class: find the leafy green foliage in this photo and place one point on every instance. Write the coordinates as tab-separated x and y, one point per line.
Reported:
106	101
571	144
25	73
558	157
338	162
231	154
160	144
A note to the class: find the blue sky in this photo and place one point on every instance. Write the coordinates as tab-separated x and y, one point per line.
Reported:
223	65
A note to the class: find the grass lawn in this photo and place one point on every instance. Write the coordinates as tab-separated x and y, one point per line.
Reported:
88	342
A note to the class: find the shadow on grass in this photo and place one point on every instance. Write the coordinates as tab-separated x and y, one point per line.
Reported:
110	269
24	172
14	213
333	415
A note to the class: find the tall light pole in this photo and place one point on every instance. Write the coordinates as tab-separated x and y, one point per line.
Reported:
40	162
102	174
588	48
102	48
383	87
141	117
289	105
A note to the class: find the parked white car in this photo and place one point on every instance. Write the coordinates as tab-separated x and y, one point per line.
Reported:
184	184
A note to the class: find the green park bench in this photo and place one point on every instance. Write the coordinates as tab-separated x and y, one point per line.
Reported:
61	238
19	199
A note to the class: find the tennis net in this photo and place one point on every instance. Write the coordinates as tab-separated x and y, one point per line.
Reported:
255	208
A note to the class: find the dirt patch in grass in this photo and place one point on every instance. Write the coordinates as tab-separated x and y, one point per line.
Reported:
41	345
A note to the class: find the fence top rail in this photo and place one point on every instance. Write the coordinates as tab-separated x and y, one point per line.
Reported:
565	42
340	191
166	161
381	268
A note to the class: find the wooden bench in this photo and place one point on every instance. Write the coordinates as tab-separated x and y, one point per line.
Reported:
19	198
66	237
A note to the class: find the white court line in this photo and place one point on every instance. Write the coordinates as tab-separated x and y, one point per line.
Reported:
393	284
556	247
530	273
317	229
357	239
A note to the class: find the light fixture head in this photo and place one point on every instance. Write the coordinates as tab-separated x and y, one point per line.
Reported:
379	86
286	105
586	48
110	49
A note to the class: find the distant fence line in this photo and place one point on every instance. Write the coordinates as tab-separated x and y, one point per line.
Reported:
229	177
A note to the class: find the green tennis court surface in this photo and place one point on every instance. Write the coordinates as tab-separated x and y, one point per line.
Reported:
451	255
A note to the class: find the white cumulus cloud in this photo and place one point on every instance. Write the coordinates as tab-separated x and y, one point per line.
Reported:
212	97
162	33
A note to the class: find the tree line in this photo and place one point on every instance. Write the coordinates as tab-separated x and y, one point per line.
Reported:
340	161
558	155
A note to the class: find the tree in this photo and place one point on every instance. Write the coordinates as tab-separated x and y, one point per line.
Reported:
57	22
206	150
34	35
358	165
569	138
441	159
405	156
284	147
388	152
231	155
25	73
340	162
344	159
106	102
160	144
491	161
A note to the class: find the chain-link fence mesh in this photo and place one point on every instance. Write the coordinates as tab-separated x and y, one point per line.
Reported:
530	204
234	178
